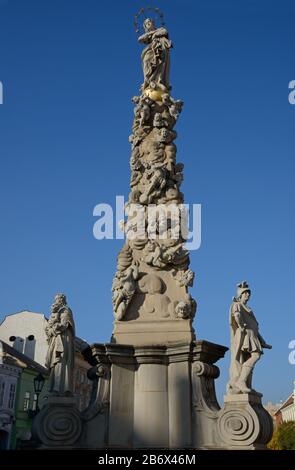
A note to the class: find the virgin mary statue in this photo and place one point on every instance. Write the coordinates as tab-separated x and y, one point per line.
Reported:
155	57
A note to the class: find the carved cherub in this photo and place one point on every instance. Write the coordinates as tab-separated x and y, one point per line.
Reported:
142	110
186	308
185	278
124	287
155	177
158	120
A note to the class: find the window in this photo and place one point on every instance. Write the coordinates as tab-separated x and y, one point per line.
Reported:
11	396
34	402
2	390
27	401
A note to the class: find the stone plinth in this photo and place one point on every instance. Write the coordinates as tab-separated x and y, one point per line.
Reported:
243	423
151	332
59	423
154	396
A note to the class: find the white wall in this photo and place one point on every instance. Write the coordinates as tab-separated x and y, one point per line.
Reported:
288	413
22	325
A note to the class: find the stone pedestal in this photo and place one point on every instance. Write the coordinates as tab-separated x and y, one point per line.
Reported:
153	396
243	423
59	423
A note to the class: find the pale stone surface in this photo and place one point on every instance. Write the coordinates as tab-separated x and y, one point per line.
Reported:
151	406
179	405
246	342
144	332
205	407
121	405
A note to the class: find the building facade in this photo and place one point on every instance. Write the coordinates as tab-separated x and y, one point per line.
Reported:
10	372
272	408
18	399
26	404
286	411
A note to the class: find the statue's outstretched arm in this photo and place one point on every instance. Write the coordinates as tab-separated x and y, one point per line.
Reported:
263	342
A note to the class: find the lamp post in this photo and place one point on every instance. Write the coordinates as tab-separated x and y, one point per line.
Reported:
38	386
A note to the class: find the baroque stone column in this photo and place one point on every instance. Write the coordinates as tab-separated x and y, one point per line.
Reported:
151	301
153	385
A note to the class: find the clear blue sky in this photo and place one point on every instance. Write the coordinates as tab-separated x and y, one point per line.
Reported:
69	70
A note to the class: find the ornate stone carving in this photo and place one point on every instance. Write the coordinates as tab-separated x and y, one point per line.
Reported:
142	110
59	424
186	308
185	278
160	256
156	178
124	287
243	423
151	284
246	342
99	401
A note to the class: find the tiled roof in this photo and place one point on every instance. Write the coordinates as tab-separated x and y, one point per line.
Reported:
11	352
289	401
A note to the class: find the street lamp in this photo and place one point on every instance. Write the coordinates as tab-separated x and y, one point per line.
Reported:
38	386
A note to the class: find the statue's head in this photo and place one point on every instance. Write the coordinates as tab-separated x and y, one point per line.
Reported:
59	300
148	25
151	245
243	291
182	309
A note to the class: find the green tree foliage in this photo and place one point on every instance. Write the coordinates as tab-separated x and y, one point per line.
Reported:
284	437
273	443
